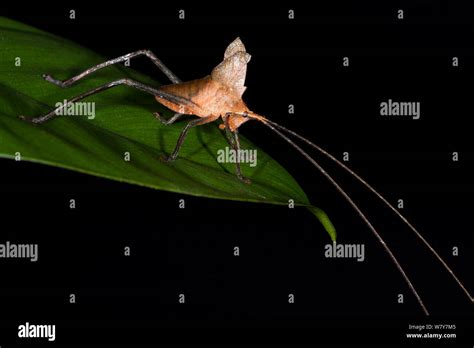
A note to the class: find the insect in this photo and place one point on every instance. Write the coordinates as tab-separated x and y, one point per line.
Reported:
219	96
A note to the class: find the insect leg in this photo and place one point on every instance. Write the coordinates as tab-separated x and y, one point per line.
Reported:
184	132
127	82
230	138
233	140
66	83
237	164
166	122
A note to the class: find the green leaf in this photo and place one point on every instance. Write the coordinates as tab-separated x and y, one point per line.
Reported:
123	123
325	221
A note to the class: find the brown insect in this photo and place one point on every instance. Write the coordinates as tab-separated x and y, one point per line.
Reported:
219	95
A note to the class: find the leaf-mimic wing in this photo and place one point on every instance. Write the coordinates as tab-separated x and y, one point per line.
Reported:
234	47
232	71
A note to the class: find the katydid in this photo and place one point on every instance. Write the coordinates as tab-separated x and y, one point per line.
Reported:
219	96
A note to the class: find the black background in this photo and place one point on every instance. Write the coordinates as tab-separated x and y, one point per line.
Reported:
244	299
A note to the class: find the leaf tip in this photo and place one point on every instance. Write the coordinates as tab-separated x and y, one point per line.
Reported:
325	221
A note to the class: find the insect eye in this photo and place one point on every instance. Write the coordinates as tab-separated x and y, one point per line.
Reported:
245	114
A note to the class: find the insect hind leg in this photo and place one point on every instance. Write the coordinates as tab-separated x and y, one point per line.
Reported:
128	82
149	54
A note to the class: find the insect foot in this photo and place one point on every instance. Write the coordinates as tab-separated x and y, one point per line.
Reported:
167	159
245	180
26	118
54	81
160	118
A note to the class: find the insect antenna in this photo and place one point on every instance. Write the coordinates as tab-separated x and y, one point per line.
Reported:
273	126
382	198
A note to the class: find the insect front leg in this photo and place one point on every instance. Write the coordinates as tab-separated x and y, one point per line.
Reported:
233	139
66	83
166	122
